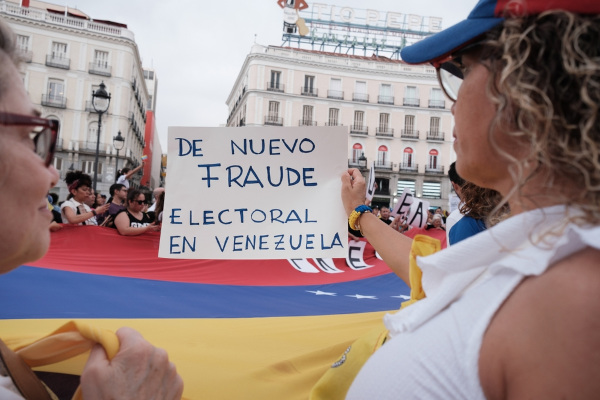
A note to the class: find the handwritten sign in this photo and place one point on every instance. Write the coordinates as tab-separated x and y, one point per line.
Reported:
413	210
371	182
255	193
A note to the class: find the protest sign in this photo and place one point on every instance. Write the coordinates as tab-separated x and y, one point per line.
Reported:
371	182
413	210
255	193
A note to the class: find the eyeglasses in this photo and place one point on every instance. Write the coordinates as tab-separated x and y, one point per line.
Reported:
140	202
449	71
43	135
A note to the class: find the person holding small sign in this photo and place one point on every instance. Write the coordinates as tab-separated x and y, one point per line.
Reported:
524	79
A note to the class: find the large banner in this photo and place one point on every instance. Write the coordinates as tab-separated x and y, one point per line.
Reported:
255	193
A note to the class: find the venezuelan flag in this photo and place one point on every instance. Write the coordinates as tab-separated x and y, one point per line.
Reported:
258	329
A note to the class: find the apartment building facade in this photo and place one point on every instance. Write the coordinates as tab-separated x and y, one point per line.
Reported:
396	114
67	55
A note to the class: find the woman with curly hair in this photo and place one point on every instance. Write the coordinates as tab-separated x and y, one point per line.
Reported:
524	78
75	209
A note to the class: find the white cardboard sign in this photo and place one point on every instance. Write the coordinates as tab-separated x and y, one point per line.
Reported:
255	193
371	183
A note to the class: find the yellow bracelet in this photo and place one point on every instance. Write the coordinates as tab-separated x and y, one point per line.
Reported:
355	215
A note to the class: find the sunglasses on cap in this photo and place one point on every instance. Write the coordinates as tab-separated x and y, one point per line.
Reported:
43	134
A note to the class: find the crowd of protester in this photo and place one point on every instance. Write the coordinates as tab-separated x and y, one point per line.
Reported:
141	208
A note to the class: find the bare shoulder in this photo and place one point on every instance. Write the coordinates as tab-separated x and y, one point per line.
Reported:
544	342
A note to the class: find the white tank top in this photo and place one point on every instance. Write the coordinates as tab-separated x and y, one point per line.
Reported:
434	348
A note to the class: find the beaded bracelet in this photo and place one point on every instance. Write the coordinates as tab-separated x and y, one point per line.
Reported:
355	215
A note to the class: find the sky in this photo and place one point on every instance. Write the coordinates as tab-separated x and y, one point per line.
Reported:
198	47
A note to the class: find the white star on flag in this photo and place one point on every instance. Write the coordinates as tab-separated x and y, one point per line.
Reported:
360	296
402	296
319	293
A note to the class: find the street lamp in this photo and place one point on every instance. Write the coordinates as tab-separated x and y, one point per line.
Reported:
118	144
362	161
100	102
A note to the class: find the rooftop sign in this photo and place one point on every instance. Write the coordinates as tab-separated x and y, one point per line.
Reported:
345	29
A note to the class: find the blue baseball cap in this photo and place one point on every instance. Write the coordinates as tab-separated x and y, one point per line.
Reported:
486	15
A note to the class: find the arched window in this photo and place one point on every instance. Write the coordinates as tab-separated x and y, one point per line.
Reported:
357	150
382	155
408	157
433	159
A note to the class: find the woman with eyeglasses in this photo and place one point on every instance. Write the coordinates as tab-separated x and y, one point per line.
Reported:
76	209
512	312
134	221
27	141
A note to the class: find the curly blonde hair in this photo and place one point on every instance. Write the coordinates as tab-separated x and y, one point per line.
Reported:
545	82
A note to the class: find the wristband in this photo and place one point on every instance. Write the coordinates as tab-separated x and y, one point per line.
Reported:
94	212
355	215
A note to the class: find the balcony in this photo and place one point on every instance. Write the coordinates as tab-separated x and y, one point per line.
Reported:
437	104
359	130
384	132
439	170
409	168
307	122
411	102
25	55
100	68
275	87
309	91
386	166
436	136
54	101
363	97
333	123
335	94
273	120
409	134
385	100
58	61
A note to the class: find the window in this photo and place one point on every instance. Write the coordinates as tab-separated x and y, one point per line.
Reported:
58	163
405	184
23	43
382	155
433	159
335	89
88	167
357	150
434	126
411	97
385	94
309	83
101	58
437	99
275	80
432	190
56	90
409	124
273	110
92	136
59	50
307	115
333	116
360	91
407	160
150	105
384	122
359	117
